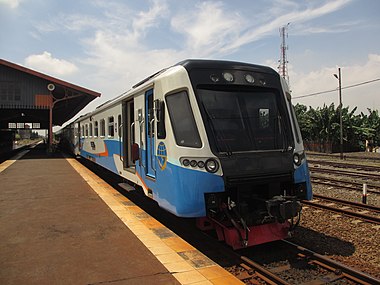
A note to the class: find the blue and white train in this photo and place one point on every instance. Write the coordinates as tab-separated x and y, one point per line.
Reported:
215	140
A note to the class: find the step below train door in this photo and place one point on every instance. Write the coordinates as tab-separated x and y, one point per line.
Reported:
128	135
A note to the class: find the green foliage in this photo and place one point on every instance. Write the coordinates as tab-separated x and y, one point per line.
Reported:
322	125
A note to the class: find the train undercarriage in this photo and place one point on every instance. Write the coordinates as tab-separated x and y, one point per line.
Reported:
253	213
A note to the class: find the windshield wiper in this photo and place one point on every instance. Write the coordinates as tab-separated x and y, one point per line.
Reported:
284	136
214	133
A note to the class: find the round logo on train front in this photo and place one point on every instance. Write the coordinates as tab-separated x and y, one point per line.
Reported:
162	155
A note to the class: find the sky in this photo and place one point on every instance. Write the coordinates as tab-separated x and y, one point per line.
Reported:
109	45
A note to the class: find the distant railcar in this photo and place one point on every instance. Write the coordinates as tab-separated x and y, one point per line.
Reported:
214	140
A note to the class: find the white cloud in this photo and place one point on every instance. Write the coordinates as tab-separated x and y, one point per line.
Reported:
149	19
13	4
213	29
209	28
118	48
363	96
46	63
297	14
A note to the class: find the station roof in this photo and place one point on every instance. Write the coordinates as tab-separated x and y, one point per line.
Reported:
25	97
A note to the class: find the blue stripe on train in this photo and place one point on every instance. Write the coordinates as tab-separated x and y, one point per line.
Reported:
181	190
177	189
301	174
108	162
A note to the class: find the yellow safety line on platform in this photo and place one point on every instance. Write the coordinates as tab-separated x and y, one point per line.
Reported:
182	260
12	160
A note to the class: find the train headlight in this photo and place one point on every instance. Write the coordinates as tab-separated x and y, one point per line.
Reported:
249	78
297	159
186	162
201	164
193	163
214	78
228	77
212	165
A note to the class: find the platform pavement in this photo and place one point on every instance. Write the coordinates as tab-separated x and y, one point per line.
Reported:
61	224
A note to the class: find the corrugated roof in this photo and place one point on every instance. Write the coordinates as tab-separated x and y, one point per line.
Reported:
35	107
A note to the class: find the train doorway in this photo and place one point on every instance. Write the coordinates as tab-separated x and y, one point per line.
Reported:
128	134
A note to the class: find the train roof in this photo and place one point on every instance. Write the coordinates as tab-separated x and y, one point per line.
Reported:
188	64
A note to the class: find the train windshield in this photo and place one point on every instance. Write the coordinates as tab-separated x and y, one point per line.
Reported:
244	120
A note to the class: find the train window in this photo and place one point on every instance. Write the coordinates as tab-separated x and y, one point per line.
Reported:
102	128
96	129
182	119
119	125
82	132
111	131
90	130
243	120
160	115
86	128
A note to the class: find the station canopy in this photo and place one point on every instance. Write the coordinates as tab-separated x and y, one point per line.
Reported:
26	97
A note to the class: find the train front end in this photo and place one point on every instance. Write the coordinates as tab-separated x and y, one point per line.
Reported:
253	134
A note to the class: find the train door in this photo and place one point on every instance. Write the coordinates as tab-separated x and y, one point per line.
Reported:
149	135
80	136
76	138
128	134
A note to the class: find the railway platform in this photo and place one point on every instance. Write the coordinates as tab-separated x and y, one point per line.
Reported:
62	224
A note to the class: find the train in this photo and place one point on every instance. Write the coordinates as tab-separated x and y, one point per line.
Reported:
213	140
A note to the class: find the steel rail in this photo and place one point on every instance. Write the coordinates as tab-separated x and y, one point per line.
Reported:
346	172
351	203
344	186
347	271
264	273
345	165
351	157
370	219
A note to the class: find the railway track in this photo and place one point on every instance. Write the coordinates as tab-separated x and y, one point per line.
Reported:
359	211
318	268
361	206
340	271
369	157
250	270
17	150
351	185
344	172
371	168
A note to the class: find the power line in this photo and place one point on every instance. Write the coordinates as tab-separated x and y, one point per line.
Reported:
333	90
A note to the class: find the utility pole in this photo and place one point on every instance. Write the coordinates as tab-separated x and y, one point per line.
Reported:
283	62
339	77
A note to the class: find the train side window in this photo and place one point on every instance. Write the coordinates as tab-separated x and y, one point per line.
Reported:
182	119
102	128
111	131
160	116
119	125
96	129
90	130
82	132
86	128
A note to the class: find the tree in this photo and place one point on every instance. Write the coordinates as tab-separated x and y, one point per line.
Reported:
322	126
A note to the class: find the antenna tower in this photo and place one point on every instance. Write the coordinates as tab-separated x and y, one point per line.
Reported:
283	66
